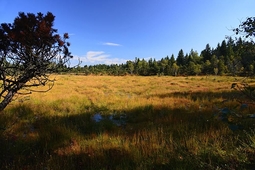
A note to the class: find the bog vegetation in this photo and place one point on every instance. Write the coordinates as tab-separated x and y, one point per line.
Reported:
124	122
129	122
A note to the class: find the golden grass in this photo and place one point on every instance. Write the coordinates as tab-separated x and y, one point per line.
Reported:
128	92
169	124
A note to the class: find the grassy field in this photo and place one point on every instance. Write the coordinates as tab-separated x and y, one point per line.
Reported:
145	123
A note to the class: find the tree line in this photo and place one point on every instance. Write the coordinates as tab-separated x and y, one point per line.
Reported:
230	57
31	49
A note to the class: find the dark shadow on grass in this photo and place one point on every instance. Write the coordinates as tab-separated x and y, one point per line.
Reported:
31	141
112	158
200	95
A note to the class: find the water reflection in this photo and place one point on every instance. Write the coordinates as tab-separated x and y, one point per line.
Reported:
117	119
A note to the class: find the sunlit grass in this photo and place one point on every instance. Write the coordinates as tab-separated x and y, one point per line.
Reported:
169	124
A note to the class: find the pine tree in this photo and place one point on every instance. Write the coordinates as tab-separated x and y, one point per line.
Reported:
180	58
207	53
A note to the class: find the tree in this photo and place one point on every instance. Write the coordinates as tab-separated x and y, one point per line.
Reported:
130	66
223	49
163	64
194	69
247	28
30	49
153	67
194	57
180	58
207	53
175	69
207	67
214	61
216	70
172	60
216	51
137	66
221	66
144	70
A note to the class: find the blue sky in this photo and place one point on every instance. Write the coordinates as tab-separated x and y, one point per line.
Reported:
114	31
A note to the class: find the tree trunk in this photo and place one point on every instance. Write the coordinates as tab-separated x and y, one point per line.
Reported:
7	100
10	95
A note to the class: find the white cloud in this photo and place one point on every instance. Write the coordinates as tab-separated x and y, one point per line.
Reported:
111	44
97	57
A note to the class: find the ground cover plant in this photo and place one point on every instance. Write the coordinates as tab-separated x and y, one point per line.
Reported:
128	122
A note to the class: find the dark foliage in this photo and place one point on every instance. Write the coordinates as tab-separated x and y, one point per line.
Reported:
30	49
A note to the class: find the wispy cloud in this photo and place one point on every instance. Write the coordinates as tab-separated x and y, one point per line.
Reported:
111	44
98	57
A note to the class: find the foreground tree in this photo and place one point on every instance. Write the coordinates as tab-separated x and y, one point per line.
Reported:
247	28
30	49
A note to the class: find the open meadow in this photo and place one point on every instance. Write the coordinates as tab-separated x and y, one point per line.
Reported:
128	122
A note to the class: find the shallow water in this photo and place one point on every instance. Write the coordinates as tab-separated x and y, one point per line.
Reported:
97	117
118	120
